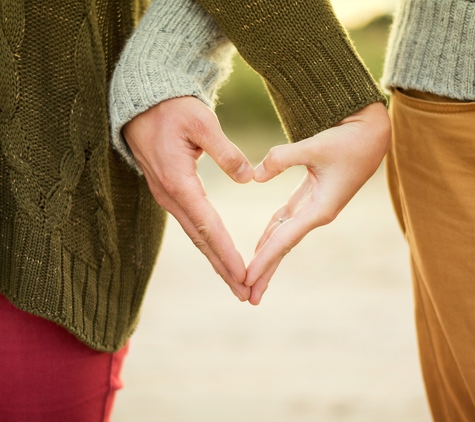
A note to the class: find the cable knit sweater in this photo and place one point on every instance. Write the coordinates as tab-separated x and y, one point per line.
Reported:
79	228
432	48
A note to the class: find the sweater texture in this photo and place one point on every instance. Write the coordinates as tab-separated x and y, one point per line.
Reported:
79	229
432	48
309	65
177	50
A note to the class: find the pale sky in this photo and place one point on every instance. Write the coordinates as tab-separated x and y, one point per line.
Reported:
358	12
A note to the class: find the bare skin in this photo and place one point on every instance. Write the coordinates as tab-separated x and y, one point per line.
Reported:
339	161
168	139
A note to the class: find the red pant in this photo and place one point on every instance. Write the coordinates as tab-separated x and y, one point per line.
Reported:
47	375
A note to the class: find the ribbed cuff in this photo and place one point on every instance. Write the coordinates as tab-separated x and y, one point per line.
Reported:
309	65
177	50
431	48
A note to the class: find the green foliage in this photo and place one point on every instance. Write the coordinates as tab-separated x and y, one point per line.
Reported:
246	113
370	42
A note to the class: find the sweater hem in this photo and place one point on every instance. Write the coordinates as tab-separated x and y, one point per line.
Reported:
61	287
430	49
79	334
390	85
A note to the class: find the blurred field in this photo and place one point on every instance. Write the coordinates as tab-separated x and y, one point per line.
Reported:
333	340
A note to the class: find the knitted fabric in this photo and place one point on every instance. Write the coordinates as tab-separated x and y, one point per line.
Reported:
79	231
432	48
177	50
312	71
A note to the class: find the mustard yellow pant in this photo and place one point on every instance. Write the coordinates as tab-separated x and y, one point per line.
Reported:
431	172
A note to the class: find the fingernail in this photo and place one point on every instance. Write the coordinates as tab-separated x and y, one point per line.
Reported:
244	174
259	171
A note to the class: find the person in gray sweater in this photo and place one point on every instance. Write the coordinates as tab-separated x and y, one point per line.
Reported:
430	72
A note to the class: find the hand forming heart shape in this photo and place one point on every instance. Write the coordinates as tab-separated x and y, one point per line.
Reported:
168	139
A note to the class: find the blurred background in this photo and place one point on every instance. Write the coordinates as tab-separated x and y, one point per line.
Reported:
333	339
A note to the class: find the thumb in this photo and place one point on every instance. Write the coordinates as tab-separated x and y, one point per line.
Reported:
282	157
227	156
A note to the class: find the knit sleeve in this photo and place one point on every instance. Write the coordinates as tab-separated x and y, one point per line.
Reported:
308	63
177	50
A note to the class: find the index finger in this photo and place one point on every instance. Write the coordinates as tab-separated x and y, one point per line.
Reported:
210	227
268	257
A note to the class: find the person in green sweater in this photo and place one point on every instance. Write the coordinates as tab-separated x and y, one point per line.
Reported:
81	228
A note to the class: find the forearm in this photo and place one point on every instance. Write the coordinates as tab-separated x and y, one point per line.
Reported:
309	65
177	50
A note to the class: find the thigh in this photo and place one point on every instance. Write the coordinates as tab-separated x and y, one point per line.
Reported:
47	375
432	178
434	155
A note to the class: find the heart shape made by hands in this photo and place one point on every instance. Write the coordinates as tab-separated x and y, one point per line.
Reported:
168	139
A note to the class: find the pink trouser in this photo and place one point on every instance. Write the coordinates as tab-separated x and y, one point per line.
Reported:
47	375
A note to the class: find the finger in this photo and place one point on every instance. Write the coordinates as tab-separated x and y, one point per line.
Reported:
208	224
277	219
279	244
281	157
208	135
234	282
229	264
261	285
239	290
299	196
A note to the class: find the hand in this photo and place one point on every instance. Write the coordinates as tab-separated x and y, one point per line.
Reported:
167	141
339	161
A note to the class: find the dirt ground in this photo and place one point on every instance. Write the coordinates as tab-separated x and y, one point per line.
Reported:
332	341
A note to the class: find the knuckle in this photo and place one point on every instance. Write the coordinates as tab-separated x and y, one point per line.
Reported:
205	233
200	243
327	216
200	122
286	251
229	159
170	186
274	159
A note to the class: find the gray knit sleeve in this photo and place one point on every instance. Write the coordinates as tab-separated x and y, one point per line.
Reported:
177	50
431	48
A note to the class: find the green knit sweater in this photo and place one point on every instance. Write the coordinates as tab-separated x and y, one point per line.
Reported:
313	73
79	229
